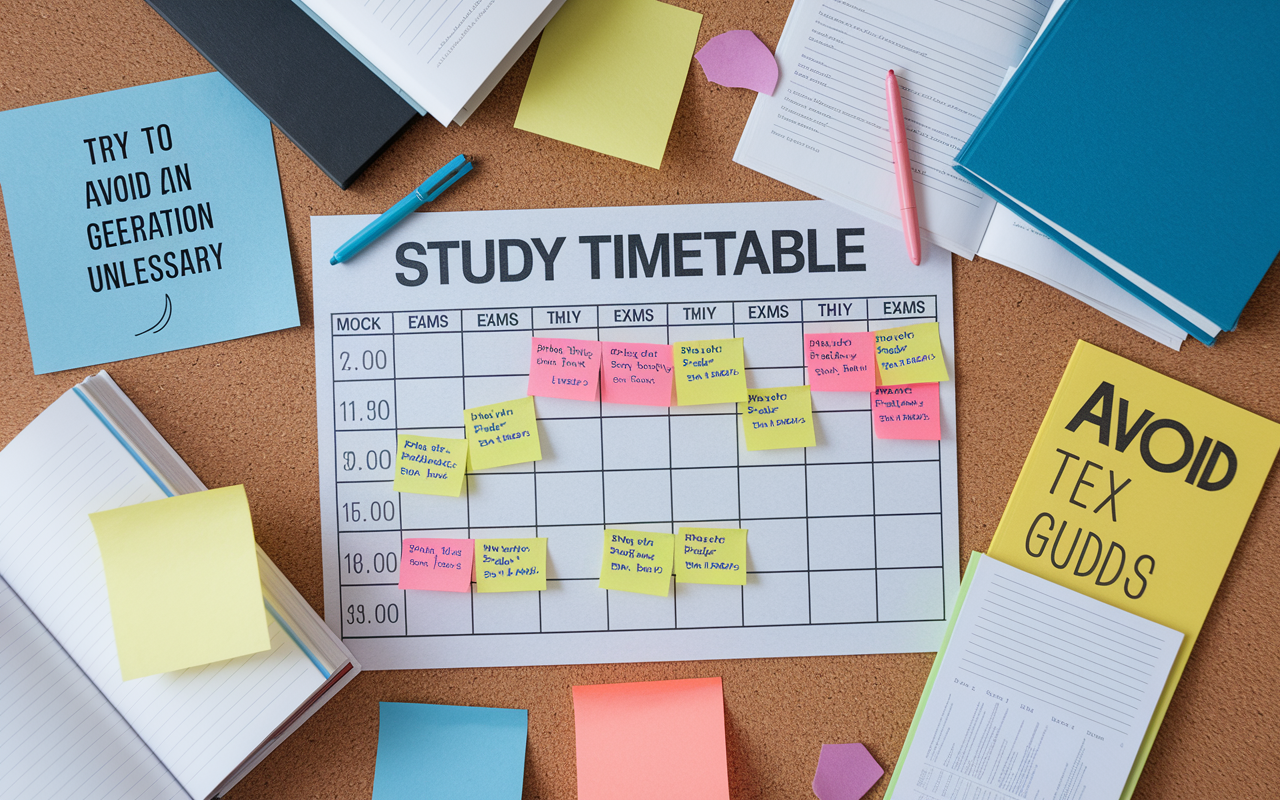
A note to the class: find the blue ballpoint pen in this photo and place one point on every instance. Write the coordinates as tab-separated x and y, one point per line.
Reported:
430	189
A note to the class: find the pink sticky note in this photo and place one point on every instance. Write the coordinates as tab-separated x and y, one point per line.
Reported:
437	565
841	362
740	59
909	411
845	772
568	368
639	374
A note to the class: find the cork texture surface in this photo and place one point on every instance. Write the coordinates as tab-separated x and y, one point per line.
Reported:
244	412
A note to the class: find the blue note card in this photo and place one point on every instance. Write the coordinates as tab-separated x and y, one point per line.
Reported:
145	220
429	752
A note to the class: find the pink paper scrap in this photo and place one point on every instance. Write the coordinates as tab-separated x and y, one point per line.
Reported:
909	411
845	772
437	565
841	362
636	373
739	59
568	368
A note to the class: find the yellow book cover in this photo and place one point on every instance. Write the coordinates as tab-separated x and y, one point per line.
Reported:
1135	492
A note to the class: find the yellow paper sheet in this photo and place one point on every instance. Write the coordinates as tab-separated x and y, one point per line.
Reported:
608	76
511	565
777	418
637	561
910	354
182	581
711	555
710	371
502	433
428	465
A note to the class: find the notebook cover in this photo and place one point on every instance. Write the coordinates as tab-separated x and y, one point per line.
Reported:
1142	127
329	104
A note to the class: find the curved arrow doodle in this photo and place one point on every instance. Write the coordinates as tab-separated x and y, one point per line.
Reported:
165	316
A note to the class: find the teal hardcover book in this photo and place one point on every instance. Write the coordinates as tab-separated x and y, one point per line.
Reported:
145	220
1137	135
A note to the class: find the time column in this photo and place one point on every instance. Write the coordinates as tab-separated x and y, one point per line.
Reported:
368	509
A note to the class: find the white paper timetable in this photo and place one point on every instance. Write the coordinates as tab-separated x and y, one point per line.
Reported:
852	544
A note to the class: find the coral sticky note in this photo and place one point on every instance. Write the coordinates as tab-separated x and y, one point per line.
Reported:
639	374
777	418
907	412
910	354
429	465
568	368
182	581
502	433
710	371
637	561
841	362
638	741
739	58
437	565
511	565
711	555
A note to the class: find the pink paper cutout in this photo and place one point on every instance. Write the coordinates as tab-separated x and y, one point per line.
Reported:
909	411
845	772
625	368
739	59
841	362
437	565
568	368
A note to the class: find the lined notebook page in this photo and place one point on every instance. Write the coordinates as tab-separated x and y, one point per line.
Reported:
1041	692
59	737
201	722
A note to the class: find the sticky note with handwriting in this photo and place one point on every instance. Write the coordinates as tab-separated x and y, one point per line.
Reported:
568	368
437	565
637	561
502	433
639	374
711	555
511	565
912	411
777	418
429	465
841	362
910	354
710	371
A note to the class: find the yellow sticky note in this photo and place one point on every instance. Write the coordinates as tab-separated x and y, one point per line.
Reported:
711	555
502	433
637	561
511	565
910	354
608	76
429	465
182	581
776	418
710	371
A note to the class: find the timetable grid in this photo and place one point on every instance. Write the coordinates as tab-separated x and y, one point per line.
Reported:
850	533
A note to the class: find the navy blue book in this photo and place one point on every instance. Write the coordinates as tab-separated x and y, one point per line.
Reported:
1139	135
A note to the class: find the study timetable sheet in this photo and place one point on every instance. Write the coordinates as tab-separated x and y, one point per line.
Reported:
851	544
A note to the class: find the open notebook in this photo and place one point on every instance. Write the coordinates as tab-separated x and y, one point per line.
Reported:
70	727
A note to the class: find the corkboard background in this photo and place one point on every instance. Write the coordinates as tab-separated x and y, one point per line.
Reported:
244	412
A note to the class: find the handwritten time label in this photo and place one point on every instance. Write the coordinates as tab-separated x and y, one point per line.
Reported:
502	433
910	354
568	368
438	565
637	561
777	418
428	465
907	412
841	362
710	371
639	374
511	565
711	555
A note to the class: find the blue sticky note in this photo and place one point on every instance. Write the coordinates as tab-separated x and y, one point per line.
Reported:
430	752
145	220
